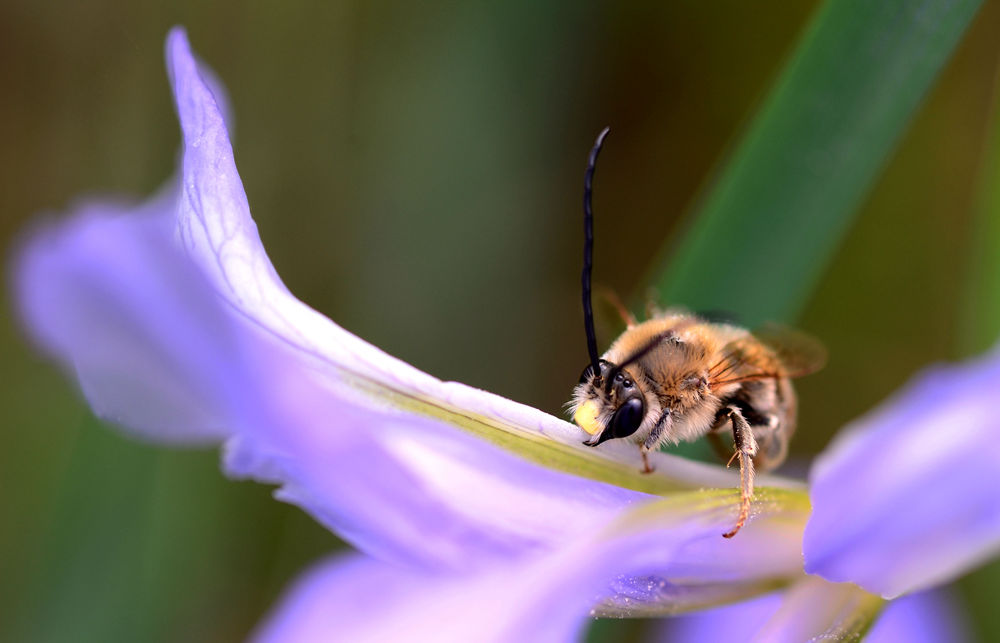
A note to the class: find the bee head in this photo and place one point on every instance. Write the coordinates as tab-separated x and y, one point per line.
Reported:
607	403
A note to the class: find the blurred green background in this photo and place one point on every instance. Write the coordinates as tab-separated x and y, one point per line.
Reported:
416	171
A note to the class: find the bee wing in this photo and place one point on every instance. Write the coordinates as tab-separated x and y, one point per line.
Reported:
774	351
800	354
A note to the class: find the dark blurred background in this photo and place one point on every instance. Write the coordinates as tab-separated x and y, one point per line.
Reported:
415	170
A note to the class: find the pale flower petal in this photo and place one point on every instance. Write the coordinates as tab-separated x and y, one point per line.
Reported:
818	610
805	614
644	563
906	498
111	296
413	489
925	617
735	623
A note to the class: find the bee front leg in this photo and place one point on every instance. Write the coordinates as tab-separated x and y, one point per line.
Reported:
643	451
653	439
746	449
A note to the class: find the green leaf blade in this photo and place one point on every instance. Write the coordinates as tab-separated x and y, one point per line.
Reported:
767	229
981	315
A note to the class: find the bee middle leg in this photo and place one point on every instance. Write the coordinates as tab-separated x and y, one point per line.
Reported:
653	439
746	449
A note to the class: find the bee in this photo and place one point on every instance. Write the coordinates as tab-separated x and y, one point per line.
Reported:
677	377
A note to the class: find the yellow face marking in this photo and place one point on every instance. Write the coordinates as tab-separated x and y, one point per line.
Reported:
586	417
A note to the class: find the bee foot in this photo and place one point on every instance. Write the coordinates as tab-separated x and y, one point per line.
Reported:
741	520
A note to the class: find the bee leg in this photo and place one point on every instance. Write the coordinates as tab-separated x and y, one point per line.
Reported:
653	439
645	459
746	449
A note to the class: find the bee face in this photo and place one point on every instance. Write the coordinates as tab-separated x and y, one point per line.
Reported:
608	404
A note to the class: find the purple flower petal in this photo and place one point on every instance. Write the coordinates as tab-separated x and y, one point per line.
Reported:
416	490
925	617
733	623
112	297
339	599
817	610
412	489
807	612
906	498
665	556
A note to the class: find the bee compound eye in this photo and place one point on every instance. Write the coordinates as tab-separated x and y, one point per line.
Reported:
627	418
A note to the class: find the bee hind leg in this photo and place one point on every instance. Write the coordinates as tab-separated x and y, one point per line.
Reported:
746	449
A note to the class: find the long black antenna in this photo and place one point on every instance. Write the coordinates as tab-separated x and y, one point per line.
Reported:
588	253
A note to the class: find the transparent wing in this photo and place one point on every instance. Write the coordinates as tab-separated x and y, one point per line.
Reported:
771	352
799	353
